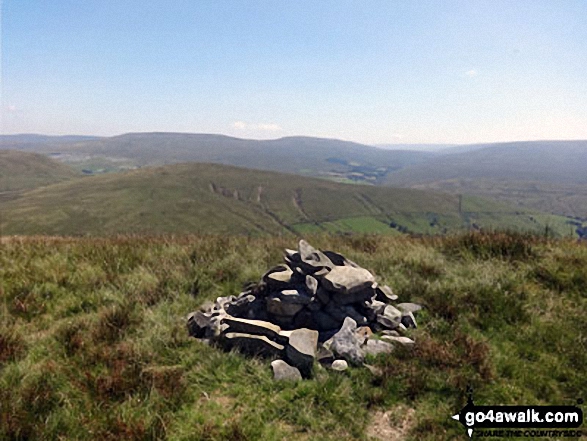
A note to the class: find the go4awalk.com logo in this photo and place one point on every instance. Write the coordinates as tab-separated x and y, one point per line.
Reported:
520	421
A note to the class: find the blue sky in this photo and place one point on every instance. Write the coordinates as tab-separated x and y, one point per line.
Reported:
368	71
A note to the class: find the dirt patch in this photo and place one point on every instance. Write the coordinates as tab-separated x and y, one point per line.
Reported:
392	425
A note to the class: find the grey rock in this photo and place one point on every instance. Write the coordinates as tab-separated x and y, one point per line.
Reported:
345	343
287	302
301	349
197	323
351	312
324	356
284	372
335	311
278	277
356	297
303	319
347	279
392	333
408	307
339	365
376	347
257	327
240	306
391	317
385	294
312	259
404	341
311	285
408	320
252	344
339	259
376	306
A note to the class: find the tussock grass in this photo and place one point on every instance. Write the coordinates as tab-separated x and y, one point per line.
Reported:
93	343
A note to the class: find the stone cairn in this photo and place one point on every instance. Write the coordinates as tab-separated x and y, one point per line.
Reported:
318	306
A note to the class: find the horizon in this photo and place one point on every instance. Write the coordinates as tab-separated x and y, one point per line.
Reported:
376	74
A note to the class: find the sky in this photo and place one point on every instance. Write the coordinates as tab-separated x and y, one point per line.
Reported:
375	72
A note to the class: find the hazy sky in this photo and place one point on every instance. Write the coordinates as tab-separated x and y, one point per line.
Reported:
385	71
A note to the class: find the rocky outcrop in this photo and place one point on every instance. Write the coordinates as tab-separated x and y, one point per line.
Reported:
319	305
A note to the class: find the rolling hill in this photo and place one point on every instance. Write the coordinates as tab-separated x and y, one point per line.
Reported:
212	198
22	170
318	157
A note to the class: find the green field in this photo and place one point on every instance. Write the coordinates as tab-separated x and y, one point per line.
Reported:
93	342
211	198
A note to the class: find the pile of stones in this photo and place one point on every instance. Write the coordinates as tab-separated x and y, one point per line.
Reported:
318	306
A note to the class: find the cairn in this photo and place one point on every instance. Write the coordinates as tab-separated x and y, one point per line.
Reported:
318	306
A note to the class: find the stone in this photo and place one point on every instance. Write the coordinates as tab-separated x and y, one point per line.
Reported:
385	294
312	259
311	285
303	319
278	277
391	317
408	307
351	312
404	341
347	279
240	306
301	349
345	343
257	327
408	320
197	324
339	259
284	372
376	306
252	344
356	297
324	356
376	347
339	365
287	302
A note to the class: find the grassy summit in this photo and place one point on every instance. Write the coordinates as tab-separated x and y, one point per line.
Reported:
93	343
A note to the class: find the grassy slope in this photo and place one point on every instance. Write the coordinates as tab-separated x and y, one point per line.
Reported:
208	198
20	170
94	345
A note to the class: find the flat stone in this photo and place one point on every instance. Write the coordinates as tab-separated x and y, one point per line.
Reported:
345	343
240	306
312	258
311	285
339	259
347	279
197	323
351	312
301	349
284	372
252	344
278	277
257	327
409	307
277	306
304	319
404	341
385	294
391	317
323	295
376	347
339	365
355	297
324	356
408	320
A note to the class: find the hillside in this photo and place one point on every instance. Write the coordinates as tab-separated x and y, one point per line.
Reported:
318	157
94	342
21	170
545	161
212	198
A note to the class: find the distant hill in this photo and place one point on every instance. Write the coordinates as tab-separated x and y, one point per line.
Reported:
545	161
543	175
326	158
35	142
23	170
212	198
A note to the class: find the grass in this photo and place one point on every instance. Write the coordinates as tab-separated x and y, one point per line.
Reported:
93	343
